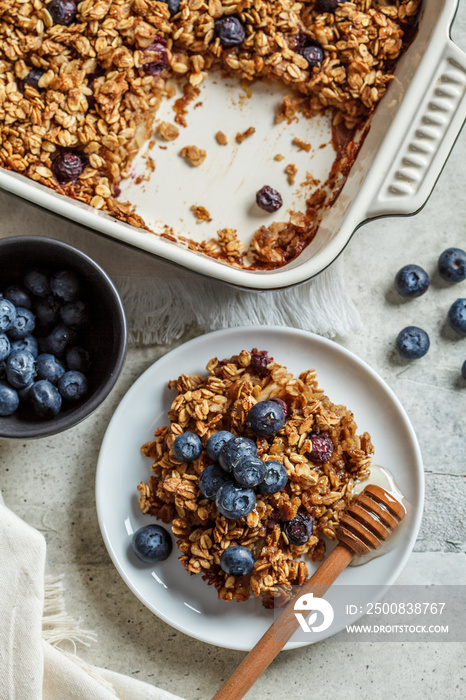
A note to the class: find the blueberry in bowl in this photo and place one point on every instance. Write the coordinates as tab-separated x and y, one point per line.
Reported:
35	306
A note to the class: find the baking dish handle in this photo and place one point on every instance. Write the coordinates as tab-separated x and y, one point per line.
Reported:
437	123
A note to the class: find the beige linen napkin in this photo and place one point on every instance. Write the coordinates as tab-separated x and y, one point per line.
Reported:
33	623
162	301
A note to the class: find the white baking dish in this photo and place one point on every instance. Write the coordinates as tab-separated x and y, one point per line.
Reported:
411	135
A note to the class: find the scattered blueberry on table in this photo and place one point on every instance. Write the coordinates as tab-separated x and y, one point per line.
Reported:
452	265
266	418
412	281
268	199
299	530
457	316
237	560
412	343
187	446
463	370
152	543
40	365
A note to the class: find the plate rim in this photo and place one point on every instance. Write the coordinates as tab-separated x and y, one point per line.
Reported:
286	330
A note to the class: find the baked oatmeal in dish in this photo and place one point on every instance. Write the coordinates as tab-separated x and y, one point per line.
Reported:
253	471
80	84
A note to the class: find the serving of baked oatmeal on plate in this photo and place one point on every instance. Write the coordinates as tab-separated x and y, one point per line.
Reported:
321	439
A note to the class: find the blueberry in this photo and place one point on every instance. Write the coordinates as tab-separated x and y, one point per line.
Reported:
329	5
299	530
187	446
412	281
5	346
28	343
275	478
269	199
72	386
45	399
49	368
65	285
77	358
237	560
18	296
37	282
452	265
7	314
24	393
173	6
32	79
463	370
250	471
152	543
283	405
9	400
234	501
47	312
67	166
24	324
266	418
62	11
230	30
234	451
58	340
74	315
216	442
259	362
211	479
412	342
322	447
20	368
313	53
457	316
158	50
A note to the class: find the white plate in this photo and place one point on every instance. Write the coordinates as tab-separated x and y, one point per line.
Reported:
185	601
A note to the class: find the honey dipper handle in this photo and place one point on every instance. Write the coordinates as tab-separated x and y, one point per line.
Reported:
277	635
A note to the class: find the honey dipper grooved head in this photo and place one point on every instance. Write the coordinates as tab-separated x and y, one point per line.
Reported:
369	520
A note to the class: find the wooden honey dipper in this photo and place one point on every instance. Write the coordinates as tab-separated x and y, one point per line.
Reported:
370	520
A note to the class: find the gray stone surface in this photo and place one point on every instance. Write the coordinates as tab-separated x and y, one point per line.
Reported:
50	483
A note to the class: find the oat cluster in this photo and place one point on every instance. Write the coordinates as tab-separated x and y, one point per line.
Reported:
104	75
220	401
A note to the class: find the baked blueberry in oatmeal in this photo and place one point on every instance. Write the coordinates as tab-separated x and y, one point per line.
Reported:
283	520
